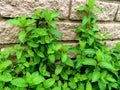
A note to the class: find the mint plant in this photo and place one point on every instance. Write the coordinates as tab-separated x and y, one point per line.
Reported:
95	61
37	62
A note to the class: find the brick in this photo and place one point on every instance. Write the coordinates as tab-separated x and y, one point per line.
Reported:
118	14
67	29
111	44
113	29
8	33
15	8
109	10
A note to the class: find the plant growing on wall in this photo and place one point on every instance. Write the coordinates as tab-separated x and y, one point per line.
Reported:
38	59
39	62
95	62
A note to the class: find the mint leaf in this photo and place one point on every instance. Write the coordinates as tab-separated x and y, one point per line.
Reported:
19	82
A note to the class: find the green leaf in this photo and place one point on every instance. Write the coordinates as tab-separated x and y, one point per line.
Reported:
91	3
28	77
72	85
95	10
19	82
79	61
85	20
50	50
69	62
107	65
81	8
64	57
23	19
82	44
58	47
52	24
19	54
14	22
89	51
5	53
32	44
55	14
48	39
64	75
90	40
81	86
99	55
51	58
22	36
30	21
56	33
30	53
102	85
58	69
43	70
36	78
110	78
7	88
57	88
96	75
88	86
4	65
65	86
40	54
89	61
83	77
2	84
5	77
48	83
40	87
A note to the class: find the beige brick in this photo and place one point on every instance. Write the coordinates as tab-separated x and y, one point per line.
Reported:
118	14
113	29
109	10
15	8
8	33
68	30
111	44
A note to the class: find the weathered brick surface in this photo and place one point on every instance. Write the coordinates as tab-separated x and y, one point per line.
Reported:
111	44
109	10
118	14
15	8
68	30
113	29
8	33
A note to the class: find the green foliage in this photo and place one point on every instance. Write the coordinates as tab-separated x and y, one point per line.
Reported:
94	59
39	62
39	59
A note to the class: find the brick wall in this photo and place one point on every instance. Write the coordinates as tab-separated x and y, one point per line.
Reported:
109	20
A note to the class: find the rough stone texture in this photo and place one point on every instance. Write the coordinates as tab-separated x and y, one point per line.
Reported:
109	10
118	14
68	30
113	29
15	8
111	44
8	33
